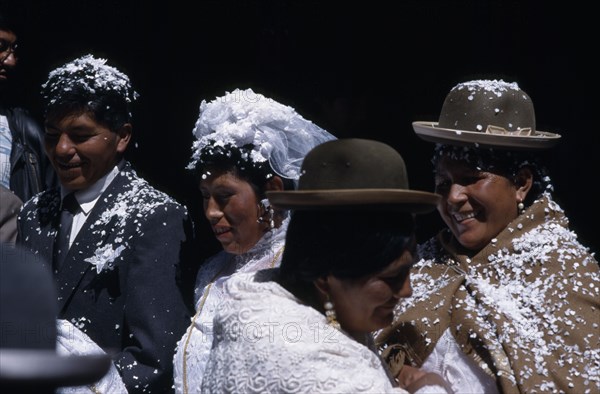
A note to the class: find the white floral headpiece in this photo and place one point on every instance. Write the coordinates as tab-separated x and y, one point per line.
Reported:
277	133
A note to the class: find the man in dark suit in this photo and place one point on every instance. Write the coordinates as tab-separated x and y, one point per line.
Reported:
119	249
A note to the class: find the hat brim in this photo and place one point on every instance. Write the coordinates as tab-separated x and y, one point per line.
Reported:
45	368
429	131
387	199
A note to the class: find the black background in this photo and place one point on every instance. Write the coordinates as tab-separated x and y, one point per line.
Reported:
366	69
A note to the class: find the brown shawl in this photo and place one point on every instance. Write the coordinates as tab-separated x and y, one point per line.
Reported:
526	308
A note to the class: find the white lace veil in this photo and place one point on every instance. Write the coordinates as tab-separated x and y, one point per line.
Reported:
277	133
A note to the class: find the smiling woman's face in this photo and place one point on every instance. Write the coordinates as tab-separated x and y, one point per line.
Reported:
367	304
231	207
476	205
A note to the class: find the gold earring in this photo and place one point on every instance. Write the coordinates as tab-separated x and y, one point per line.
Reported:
330	314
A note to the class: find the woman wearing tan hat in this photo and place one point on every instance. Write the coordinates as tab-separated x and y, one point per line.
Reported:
245	145
505	299
306	327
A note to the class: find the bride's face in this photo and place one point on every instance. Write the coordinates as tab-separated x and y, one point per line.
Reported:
231	207
367	304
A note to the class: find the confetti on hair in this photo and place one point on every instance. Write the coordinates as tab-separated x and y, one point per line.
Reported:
92	75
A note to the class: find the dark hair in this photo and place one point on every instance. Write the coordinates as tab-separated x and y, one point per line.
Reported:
501	162
237	160
88	85
346	244
108	109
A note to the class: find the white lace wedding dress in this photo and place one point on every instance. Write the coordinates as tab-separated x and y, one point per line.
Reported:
72	341
267	341
194	347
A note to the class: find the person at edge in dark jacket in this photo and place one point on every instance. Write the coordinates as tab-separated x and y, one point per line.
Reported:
24	167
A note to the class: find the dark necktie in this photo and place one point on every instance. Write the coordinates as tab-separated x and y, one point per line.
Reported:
70	206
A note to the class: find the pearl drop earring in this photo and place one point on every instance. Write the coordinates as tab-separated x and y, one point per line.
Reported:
330	314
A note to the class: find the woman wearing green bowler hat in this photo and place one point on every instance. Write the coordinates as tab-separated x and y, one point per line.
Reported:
306	326
505	299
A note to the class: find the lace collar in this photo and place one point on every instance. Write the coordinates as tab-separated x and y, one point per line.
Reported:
263	247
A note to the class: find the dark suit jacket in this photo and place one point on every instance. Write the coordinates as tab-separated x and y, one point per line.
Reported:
138	238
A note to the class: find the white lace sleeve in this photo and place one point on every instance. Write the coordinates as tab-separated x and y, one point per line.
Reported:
265	341
450	362
432	389
71	340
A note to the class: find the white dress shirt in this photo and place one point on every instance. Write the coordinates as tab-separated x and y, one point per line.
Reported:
87	200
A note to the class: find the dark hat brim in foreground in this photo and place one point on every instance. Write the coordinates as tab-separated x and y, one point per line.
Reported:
429	131
387	199
45	368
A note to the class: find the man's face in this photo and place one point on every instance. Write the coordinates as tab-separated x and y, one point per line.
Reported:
8	57
81	150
